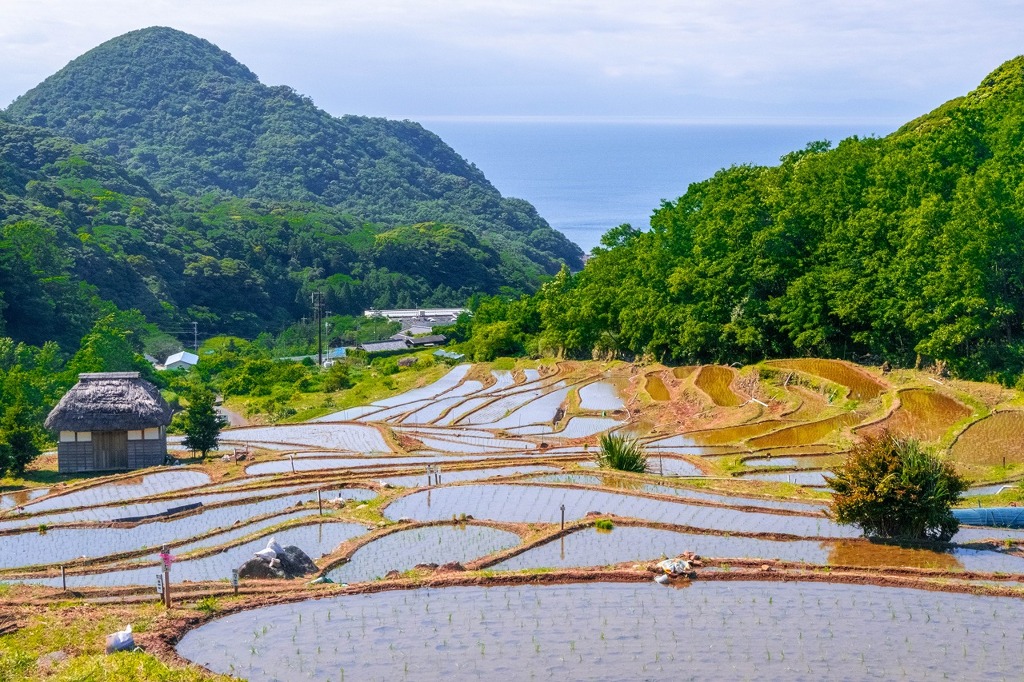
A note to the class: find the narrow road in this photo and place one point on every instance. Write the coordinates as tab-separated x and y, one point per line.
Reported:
234	419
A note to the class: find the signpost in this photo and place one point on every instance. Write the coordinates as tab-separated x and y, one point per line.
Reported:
166	559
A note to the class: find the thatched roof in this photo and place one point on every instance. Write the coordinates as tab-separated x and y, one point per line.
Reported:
110	401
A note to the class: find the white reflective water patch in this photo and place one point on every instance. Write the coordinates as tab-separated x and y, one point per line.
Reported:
442	385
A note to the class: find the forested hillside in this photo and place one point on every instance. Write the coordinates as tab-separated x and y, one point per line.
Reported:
184	114
80	233
901	248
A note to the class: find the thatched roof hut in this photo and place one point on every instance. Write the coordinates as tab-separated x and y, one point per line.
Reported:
110	420
110	401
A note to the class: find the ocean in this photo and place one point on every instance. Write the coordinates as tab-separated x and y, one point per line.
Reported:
586	178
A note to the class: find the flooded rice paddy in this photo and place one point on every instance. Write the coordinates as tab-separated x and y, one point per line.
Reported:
418	480
922	414
715	381
601	395
861	385
61	545
314	539
991	439
405	549
353	437
594	547
804	434
129	488
541	504
632	484
609	631
656	388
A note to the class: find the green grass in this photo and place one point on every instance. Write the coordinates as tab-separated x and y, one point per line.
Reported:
621	453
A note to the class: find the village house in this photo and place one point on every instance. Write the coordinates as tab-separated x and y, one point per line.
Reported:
110	421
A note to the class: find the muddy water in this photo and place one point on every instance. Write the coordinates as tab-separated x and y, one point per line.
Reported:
714	381
989	440
541	504
878	555
734	434
814	479
804	434
682	372
862	385
602	631
809	462
922	414
21	497
656	388
401	551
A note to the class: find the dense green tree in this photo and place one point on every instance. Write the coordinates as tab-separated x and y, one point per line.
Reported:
892	488
202	423
903	248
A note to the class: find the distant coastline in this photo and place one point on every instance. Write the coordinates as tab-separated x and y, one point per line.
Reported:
587	177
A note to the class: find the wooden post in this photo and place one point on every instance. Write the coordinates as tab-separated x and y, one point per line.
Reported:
320	502
234	580
563	517
167	586
63	579
292	458
165	559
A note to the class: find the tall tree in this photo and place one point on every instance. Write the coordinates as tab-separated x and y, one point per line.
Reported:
202	422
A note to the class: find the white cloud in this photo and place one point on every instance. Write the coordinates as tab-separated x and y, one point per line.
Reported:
579	57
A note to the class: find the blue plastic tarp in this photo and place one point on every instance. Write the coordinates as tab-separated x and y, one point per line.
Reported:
997	517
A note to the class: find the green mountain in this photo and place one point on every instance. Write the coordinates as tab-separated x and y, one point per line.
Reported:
906	248
184	114
79	234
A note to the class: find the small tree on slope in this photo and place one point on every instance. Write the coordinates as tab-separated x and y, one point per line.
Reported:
892	488
202	422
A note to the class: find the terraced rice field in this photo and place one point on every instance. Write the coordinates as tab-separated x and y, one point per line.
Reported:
861	385
803	434
683	372
656	388
604	631
541	504
715	381
600	395
734	434
534	429
922	414
405	549
991	439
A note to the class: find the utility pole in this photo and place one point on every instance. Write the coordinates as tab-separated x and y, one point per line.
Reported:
317	298
195	336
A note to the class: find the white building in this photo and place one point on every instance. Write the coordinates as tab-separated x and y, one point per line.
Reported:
182	360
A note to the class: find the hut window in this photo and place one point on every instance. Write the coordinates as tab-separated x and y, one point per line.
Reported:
84	436
67	436
153	433
135	435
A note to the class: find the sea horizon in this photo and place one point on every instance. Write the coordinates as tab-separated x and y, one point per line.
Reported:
586	176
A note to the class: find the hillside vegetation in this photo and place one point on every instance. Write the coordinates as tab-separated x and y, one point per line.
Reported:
189	117
79	232
902	248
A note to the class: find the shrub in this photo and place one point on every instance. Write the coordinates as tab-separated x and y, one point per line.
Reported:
604	524
892	488
619	452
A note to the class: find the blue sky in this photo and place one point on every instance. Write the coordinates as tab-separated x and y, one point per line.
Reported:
685	60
